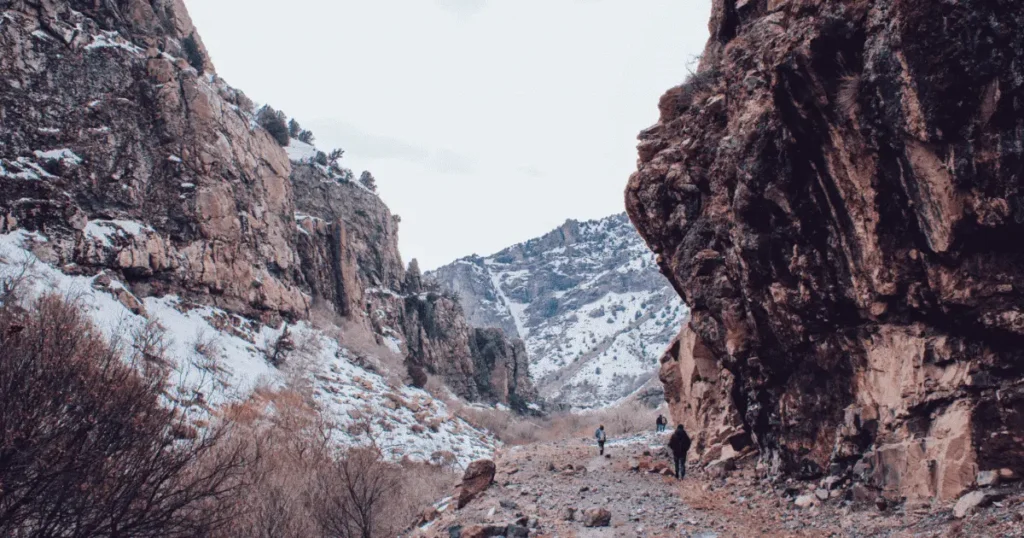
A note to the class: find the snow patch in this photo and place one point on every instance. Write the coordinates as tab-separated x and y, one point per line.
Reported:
64	155
104	231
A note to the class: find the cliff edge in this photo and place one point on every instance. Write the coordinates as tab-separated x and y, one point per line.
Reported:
836	193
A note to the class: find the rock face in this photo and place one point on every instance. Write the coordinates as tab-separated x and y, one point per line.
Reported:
587	300
124	149
107	123
836	194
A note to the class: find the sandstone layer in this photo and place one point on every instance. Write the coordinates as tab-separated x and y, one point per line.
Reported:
837	193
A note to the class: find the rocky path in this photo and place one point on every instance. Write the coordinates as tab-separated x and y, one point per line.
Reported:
560	489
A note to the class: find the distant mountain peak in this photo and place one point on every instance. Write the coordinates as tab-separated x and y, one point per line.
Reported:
588	300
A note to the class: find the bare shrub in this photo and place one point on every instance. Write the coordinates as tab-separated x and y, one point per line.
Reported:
303	486
86	446
279	348
624	419
355	490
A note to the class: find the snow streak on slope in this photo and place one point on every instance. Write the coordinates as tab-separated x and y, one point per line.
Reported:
588	300
404	421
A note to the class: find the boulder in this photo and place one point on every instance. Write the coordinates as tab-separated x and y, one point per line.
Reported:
516	531
482	531
968	503
478	477
988	479
596	517
805	501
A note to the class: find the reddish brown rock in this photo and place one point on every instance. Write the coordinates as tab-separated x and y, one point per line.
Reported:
478	477
836	195
596	517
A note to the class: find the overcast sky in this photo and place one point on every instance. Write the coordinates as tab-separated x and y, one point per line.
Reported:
485	122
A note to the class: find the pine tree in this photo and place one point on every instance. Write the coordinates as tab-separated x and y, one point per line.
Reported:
366	178
195	57
294	129
275	122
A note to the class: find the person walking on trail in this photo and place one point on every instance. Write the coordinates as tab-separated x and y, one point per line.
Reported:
661	422
679	443
599	435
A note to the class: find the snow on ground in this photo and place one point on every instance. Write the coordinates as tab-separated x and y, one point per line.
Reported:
113	40
64	154
219	358
104	231
300	151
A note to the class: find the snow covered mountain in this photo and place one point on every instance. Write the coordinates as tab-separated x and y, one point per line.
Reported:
588	300
140	183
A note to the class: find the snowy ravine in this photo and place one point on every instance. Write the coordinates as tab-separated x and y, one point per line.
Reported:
405	422
588	300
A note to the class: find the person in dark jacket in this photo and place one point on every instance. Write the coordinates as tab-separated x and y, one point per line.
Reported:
600	436
661	423
679	443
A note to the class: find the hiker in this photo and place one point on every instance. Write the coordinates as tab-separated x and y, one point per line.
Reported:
599	435
661	423
680	445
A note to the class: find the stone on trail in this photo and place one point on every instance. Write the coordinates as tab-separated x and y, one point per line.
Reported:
567	514
481	531
805	501
988	478
479	476
821	494
516	531
597	517
973	500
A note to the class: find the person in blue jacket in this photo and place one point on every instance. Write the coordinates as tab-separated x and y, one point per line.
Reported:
599	435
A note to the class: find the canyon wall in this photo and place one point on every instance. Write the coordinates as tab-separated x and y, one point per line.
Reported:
837	194
124	150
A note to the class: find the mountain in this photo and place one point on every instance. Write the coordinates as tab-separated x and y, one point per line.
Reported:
134	178
586	298
837	194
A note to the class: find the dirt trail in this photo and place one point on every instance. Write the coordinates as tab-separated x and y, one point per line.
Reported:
537	485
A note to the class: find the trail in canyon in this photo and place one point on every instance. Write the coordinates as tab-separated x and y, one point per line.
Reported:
541	484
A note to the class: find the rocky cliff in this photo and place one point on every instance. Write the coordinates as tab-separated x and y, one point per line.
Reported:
124	150
587	300
836	194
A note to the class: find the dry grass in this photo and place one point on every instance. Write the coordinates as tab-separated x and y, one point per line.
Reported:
625	419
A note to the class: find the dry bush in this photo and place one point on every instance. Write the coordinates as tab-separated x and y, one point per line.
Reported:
86	446
624	419
848	94
303	485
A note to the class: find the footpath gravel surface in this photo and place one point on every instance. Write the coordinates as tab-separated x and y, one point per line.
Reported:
560	489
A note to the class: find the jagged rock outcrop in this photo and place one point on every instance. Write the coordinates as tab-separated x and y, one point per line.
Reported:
501	367
349	250
836	194
122	147
107	125
586	298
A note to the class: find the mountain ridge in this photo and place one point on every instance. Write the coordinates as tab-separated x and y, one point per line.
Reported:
587	300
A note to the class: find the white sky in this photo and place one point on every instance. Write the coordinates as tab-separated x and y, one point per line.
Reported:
485	122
